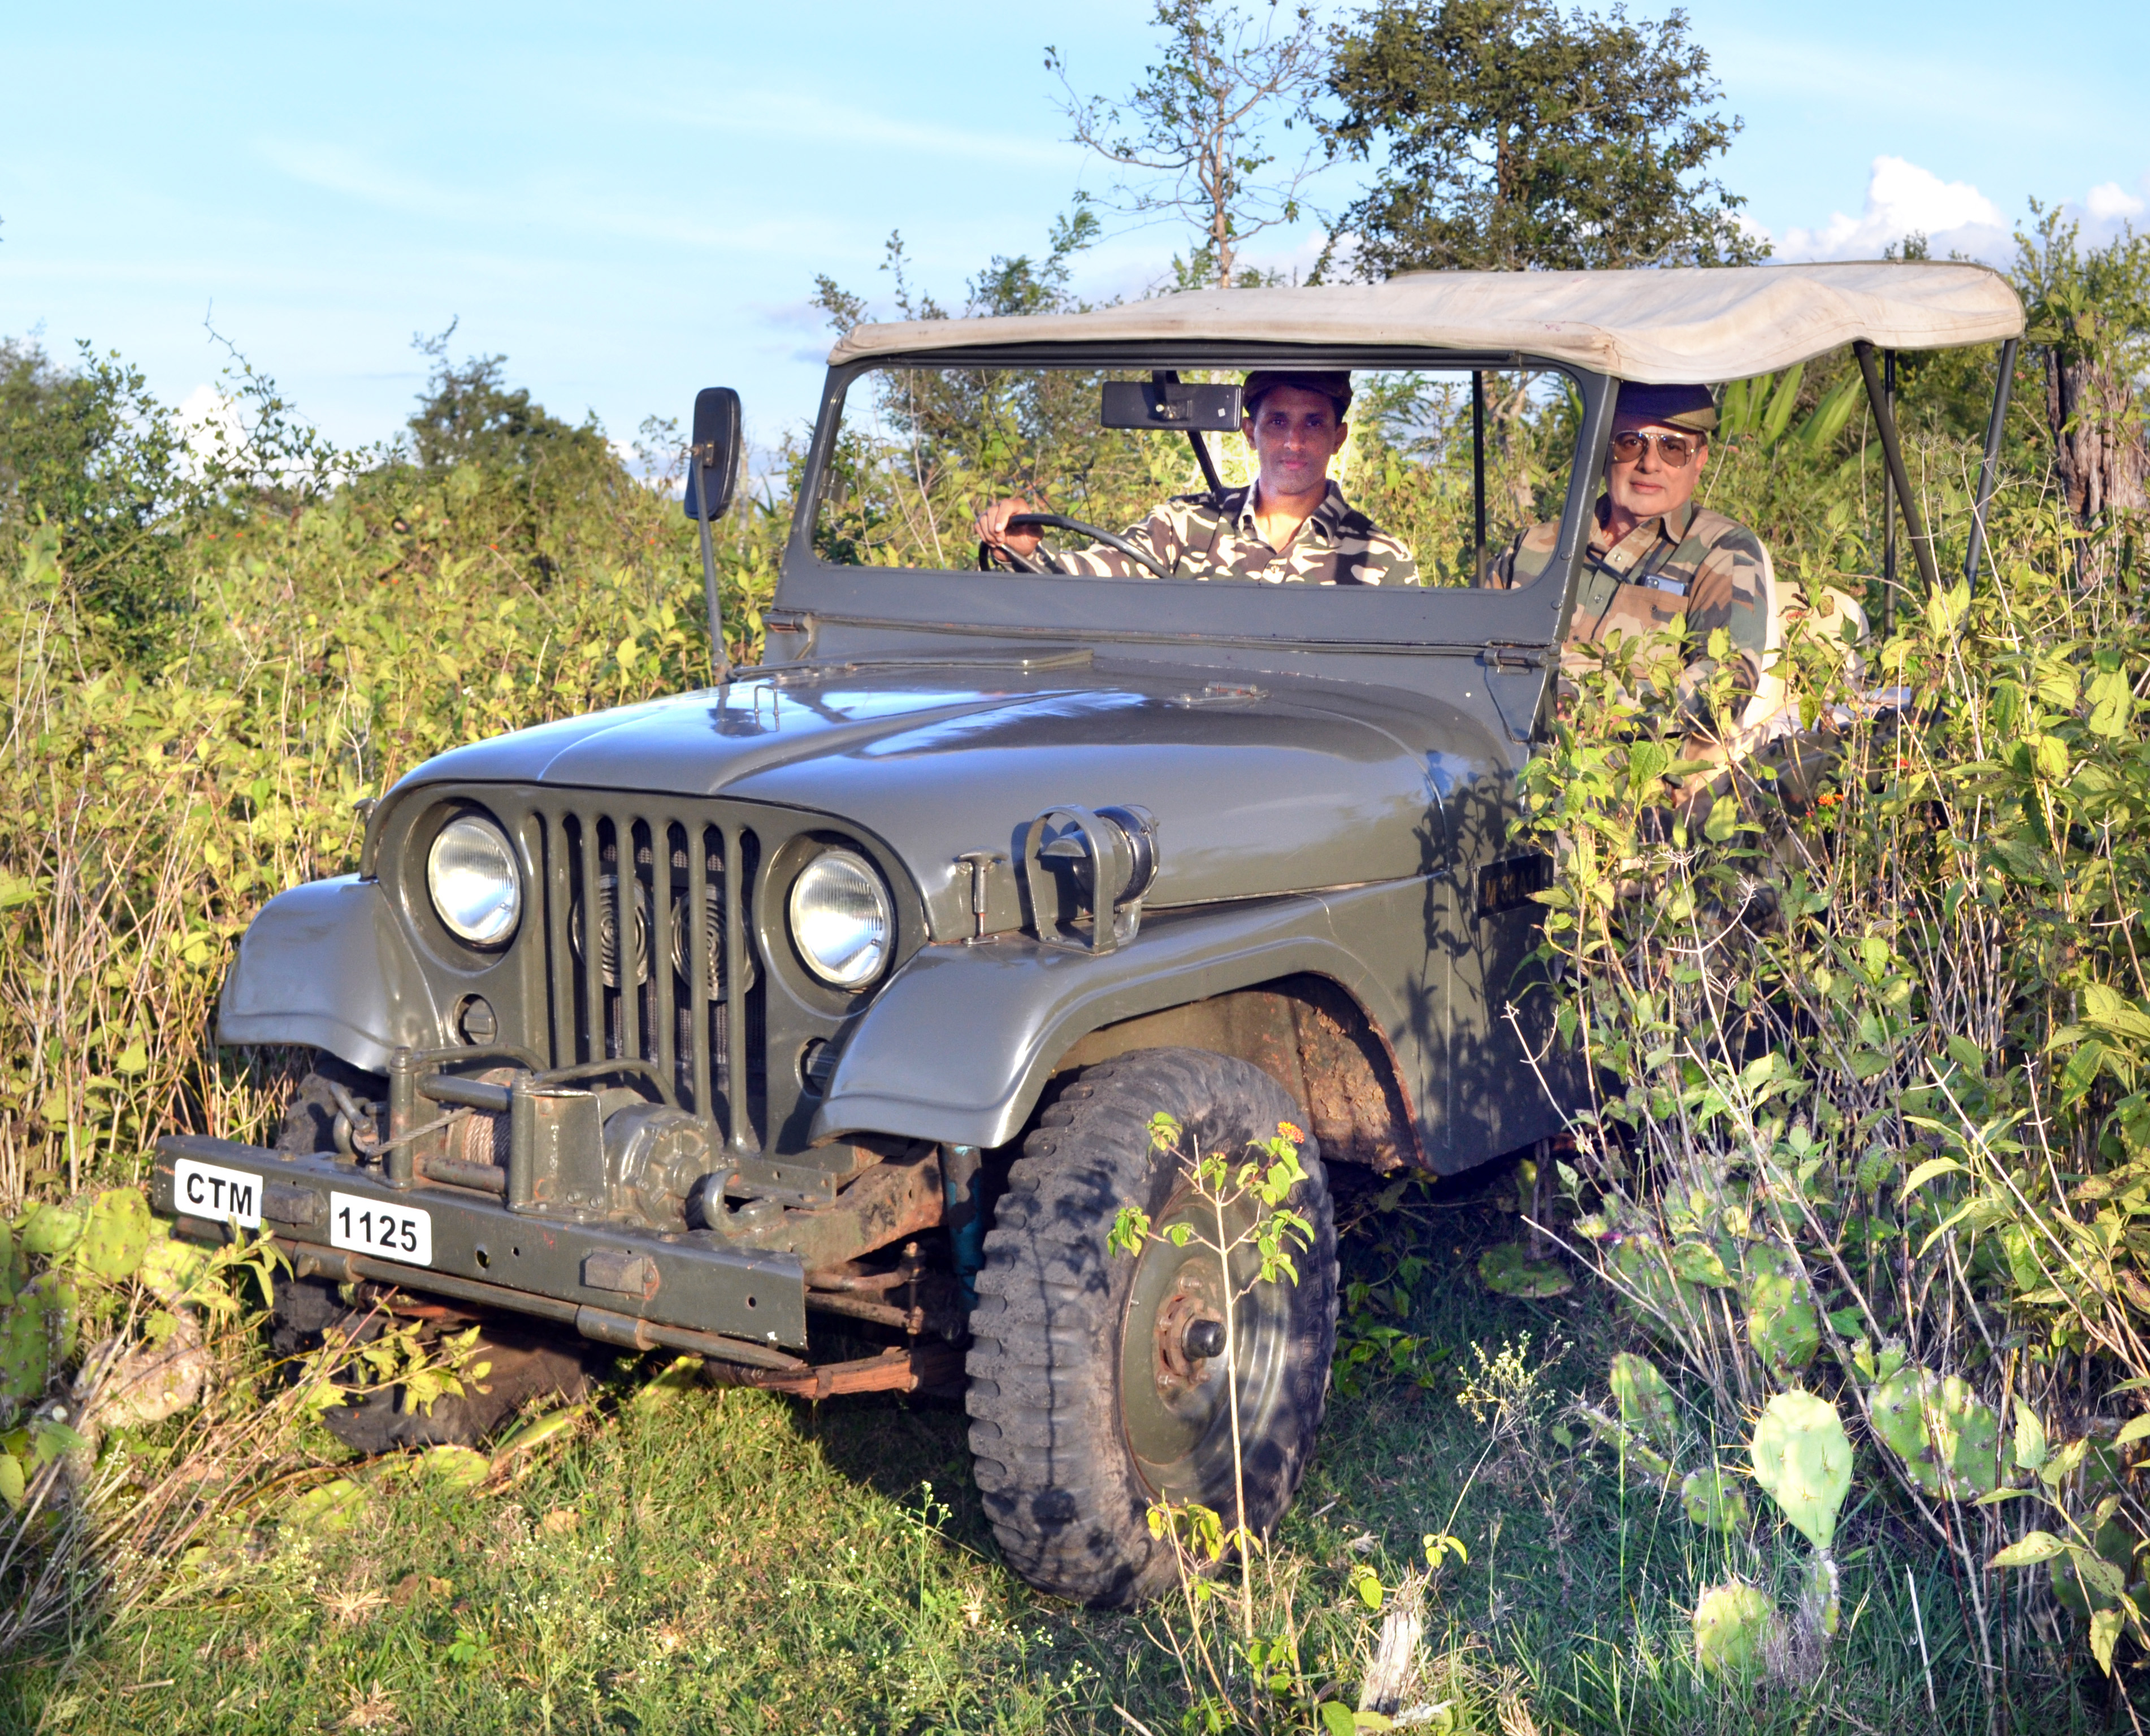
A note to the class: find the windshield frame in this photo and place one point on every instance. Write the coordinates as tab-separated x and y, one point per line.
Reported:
1015	605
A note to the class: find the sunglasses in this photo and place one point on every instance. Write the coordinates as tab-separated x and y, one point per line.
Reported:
1675	449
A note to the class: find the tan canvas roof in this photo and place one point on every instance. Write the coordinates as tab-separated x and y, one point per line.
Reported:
1659	326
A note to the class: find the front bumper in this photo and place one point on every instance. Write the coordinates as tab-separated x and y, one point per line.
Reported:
641	1289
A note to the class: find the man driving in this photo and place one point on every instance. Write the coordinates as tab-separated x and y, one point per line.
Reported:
1654	556
1291	526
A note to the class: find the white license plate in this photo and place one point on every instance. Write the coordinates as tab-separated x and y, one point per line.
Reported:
210	1191
393	1232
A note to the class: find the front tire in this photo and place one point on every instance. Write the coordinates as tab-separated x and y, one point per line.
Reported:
1087	1407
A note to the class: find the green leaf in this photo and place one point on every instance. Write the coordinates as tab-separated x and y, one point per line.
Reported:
2029	1550
1336	1718
1926	1173
2135	1431
2030	1438
2104	1635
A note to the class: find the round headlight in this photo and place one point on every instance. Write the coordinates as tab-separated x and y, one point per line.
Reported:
841	918
471	873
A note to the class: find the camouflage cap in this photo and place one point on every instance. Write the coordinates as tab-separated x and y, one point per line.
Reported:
1336	387
1672	406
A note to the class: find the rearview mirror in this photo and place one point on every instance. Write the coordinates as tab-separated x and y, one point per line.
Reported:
1169	404
713	462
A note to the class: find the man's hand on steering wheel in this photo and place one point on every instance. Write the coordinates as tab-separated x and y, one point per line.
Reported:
995	536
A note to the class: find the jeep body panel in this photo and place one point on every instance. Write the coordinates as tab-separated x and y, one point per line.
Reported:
327	965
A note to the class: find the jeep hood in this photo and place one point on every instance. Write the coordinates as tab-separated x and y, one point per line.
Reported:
1277	785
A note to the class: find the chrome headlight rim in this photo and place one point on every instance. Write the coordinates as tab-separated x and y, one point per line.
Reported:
841	919
479	910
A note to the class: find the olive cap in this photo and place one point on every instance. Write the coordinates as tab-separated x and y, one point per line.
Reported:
1336	387
1673	406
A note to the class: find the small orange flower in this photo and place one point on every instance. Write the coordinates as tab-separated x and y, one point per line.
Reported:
1291	1133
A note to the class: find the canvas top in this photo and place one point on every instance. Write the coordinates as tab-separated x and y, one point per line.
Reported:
1660	327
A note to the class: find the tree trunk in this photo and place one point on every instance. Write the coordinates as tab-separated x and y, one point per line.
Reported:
2099	452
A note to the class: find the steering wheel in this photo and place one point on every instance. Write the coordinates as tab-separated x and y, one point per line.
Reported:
1053	521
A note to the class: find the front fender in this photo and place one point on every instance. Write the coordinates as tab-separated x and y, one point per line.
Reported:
957	1047
326	965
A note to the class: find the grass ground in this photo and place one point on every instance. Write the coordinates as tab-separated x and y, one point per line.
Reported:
699	1561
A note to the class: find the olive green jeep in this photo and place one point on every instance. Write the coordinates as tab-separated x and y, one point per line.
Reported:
817	1023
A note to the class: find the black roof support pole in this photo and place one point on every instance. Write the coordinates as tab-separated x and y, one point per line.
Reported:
1891	449
1478	476
1991	463
1890	567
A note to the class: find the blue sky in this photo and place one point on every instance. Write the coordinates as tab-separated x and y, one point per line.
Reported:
632	203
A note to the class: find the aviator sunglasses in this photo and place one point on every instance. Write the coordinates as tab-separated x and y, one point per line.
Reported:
1675	449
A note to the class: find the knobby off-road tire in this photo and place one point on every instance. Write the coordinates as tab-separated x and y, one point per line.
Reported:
1086	1407
526	1360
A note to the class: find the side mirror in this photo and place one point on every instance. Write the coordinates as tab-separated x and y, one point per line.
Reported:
713	463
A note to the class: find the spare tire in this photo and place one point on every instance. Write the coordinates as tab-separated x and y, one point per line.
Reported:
1096	1390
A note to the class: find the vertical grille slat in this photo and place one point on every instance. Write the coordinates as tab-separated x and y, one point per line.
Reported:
559	899
663	1024
630	935
700	993
593	989
734	986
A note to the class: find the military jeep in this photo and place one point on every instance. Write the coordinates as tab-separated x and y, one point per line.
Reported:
815	1023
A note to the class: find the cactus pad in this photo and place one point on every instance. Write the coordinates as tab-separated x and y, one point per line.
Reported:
1509	1270
1782	1328
25	1354
1646	1402
50	1230
1802	1458
1714	1501
117	1234
1949	1441
1734	1624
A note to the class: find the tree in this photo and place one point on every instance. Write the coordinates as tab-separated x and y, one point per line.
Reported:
468	415
1193	140
2090	318
1510	137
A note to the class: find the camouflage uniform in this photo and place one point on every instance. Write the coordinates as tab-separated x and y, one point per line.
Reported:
1692	562
1195	537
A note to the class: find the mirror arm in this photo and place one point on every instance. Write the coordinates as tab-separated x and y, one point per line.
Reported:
721	663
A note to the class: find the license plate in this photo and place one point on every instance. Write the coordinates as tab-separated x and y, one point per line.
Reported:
210	1191
393	1232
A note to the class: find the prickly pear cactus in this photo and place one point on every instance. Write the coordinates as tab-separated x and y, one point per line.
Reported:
25	1351
1509	1270
1714	1501
1802	1458
1949	1441
1734	1624
117	1234
1648	1283
49	1231
1645	1401
37	1334
1782	1328
1820	1608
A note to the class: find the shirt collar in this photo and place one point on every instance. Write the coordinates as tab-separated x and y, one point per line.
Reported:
1672	526
1325	521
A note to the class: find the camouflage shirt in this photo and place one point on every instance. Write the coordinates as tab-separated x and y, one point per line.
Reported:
1195	537
1692	562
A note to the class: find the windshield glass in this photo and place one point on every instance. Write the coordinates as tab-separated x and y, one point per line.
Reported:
1361	479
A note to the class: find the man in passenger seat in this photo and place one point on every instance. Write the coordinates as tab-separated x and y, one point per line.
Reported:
1654	557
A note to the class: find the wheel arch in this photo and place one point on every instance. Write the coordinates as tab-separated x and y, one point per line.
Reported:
959	1044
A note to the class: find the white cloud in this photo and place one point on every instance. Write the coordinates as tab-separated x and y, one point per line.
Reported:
1902	197
2111	203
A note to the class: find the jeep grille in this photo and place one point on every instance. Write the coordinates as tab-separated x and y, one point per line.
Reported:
651	963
